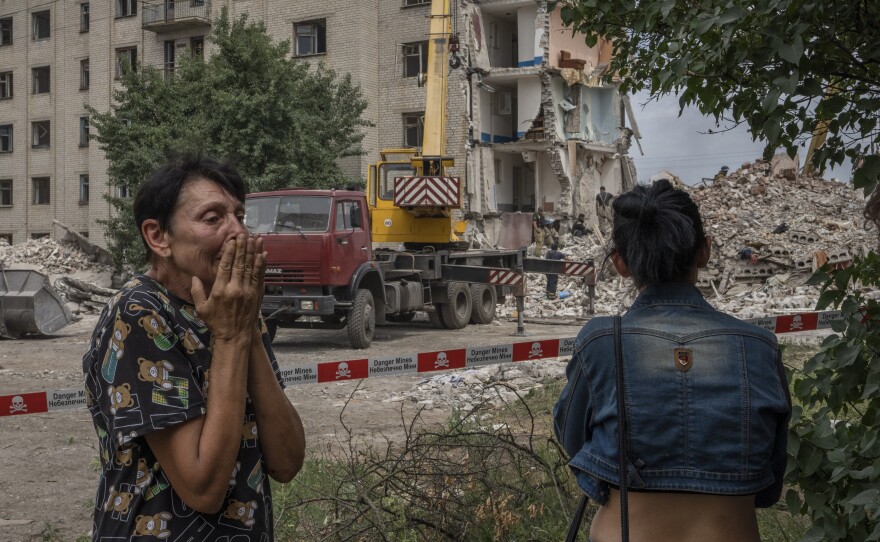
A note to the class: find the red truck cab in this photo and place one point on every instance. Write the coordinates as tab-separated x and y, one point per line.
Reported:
316	240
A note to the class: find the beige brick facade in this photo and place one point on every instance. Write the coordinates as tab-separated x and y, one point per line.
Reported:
362	38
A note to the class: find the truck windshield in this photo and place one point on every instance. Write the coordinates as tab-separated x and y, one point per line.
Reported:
284	214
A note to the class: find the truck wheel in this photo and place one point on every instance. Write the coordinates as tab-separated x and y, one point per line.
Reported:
456	312
484	302
361	320
272	328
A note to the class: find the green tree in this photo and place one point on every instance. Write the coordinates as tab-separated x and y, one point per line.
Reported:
283	122
788	69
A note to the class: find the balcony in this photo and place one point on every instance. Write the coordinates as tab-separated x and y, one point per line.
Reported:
171	15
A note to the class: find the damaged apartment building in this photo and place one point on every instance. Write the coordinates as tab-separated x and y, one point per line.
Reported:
548	131
529	121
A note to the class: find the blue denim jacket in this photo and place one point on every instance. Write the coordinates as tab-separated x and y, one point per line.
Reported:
718	427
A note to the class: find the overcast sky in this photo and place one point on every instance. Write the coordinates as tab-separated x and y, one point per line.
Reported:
681	145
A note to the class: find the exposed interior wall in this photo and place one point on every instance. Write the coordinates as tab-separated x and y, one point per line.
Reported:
563	39
501	42
531	53
528	103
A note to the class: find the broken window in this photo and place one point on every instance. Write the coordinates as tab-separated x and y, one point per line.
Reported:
126	58
6	138
40	134
6	193
41	80
126	8
413	129
5	85
415	58
84	131
310	37
40	190
197	47
84	17
84	189
6	31
41	25
84	74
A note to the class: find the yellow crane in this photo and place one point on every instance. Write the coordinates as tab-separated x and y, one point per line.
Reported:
410	197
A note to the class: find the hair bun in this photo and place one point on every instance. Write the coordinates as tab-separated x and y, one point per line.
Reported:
648	212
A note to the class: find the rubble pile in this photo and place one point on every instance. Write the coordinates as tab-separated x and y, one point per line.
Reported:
771	229
61	260
48	257
493	384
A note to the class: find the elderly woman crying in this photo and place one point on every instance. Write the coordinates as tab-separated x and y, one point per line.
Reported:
183	387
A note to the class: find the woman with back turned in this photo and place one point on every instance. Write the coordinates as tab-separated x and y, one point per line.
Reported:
706	400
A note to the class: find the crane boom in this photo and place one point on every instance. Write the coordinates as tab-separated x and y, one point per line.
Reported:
434	136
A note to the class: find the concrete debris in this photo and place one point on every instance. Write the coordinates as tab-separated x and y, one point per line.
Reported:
62	263
493	384
770	232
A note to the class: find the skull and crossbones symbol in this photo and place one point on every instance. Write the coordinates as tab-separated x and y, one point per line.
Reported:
18	405
797	323
342	371
536	351
442	360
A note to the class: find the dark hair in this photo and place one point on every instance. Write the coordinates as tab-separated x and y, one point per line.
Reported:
658	232
157	196
554	246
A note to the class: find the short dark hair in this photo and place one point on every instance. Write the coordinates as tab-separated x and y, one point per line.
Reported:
601	188
157	196
554	246
658	232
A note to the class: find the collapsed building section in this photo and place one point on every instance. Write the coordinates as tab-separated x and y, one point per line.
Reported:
546	130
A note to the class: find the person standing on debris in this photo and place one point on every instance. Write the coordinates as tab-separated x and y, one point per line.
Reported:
603	208
182	384
538	233
579	229
705	398
722	173
552	278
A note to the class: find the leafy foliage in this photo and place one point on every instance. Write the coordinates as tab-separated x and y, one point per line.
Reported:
280	121
786	68
834	442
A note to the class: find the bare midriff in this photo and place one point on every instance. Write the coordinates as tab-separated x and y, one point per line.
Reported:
678	517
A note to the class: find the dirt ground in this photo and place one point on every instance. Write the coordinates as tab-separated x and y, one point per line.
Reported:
48	462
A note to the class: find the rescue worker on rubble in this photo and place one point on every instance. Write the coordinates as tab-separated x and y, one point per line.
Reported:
552	278
579	229
603	208
722	173
538	233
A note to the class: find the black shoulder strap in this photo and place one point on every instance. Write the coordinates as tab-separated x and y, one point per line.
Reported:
623	461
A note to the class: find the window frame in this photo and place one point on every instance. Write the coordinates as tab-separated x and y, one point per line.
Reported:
125	8
35	71
84	17
7	85
414	119
131	54
8	189
8	137
35	18
5	31
83	188
318	37
415	3
35	139
84	131
422	55
35	192
84	76
197	47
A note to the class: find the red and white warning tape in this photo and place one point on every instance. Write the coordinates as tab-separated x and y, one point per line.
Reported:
422	362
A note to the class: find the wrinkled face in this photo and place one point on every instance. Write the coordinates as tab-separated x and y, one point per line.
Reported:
205	218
